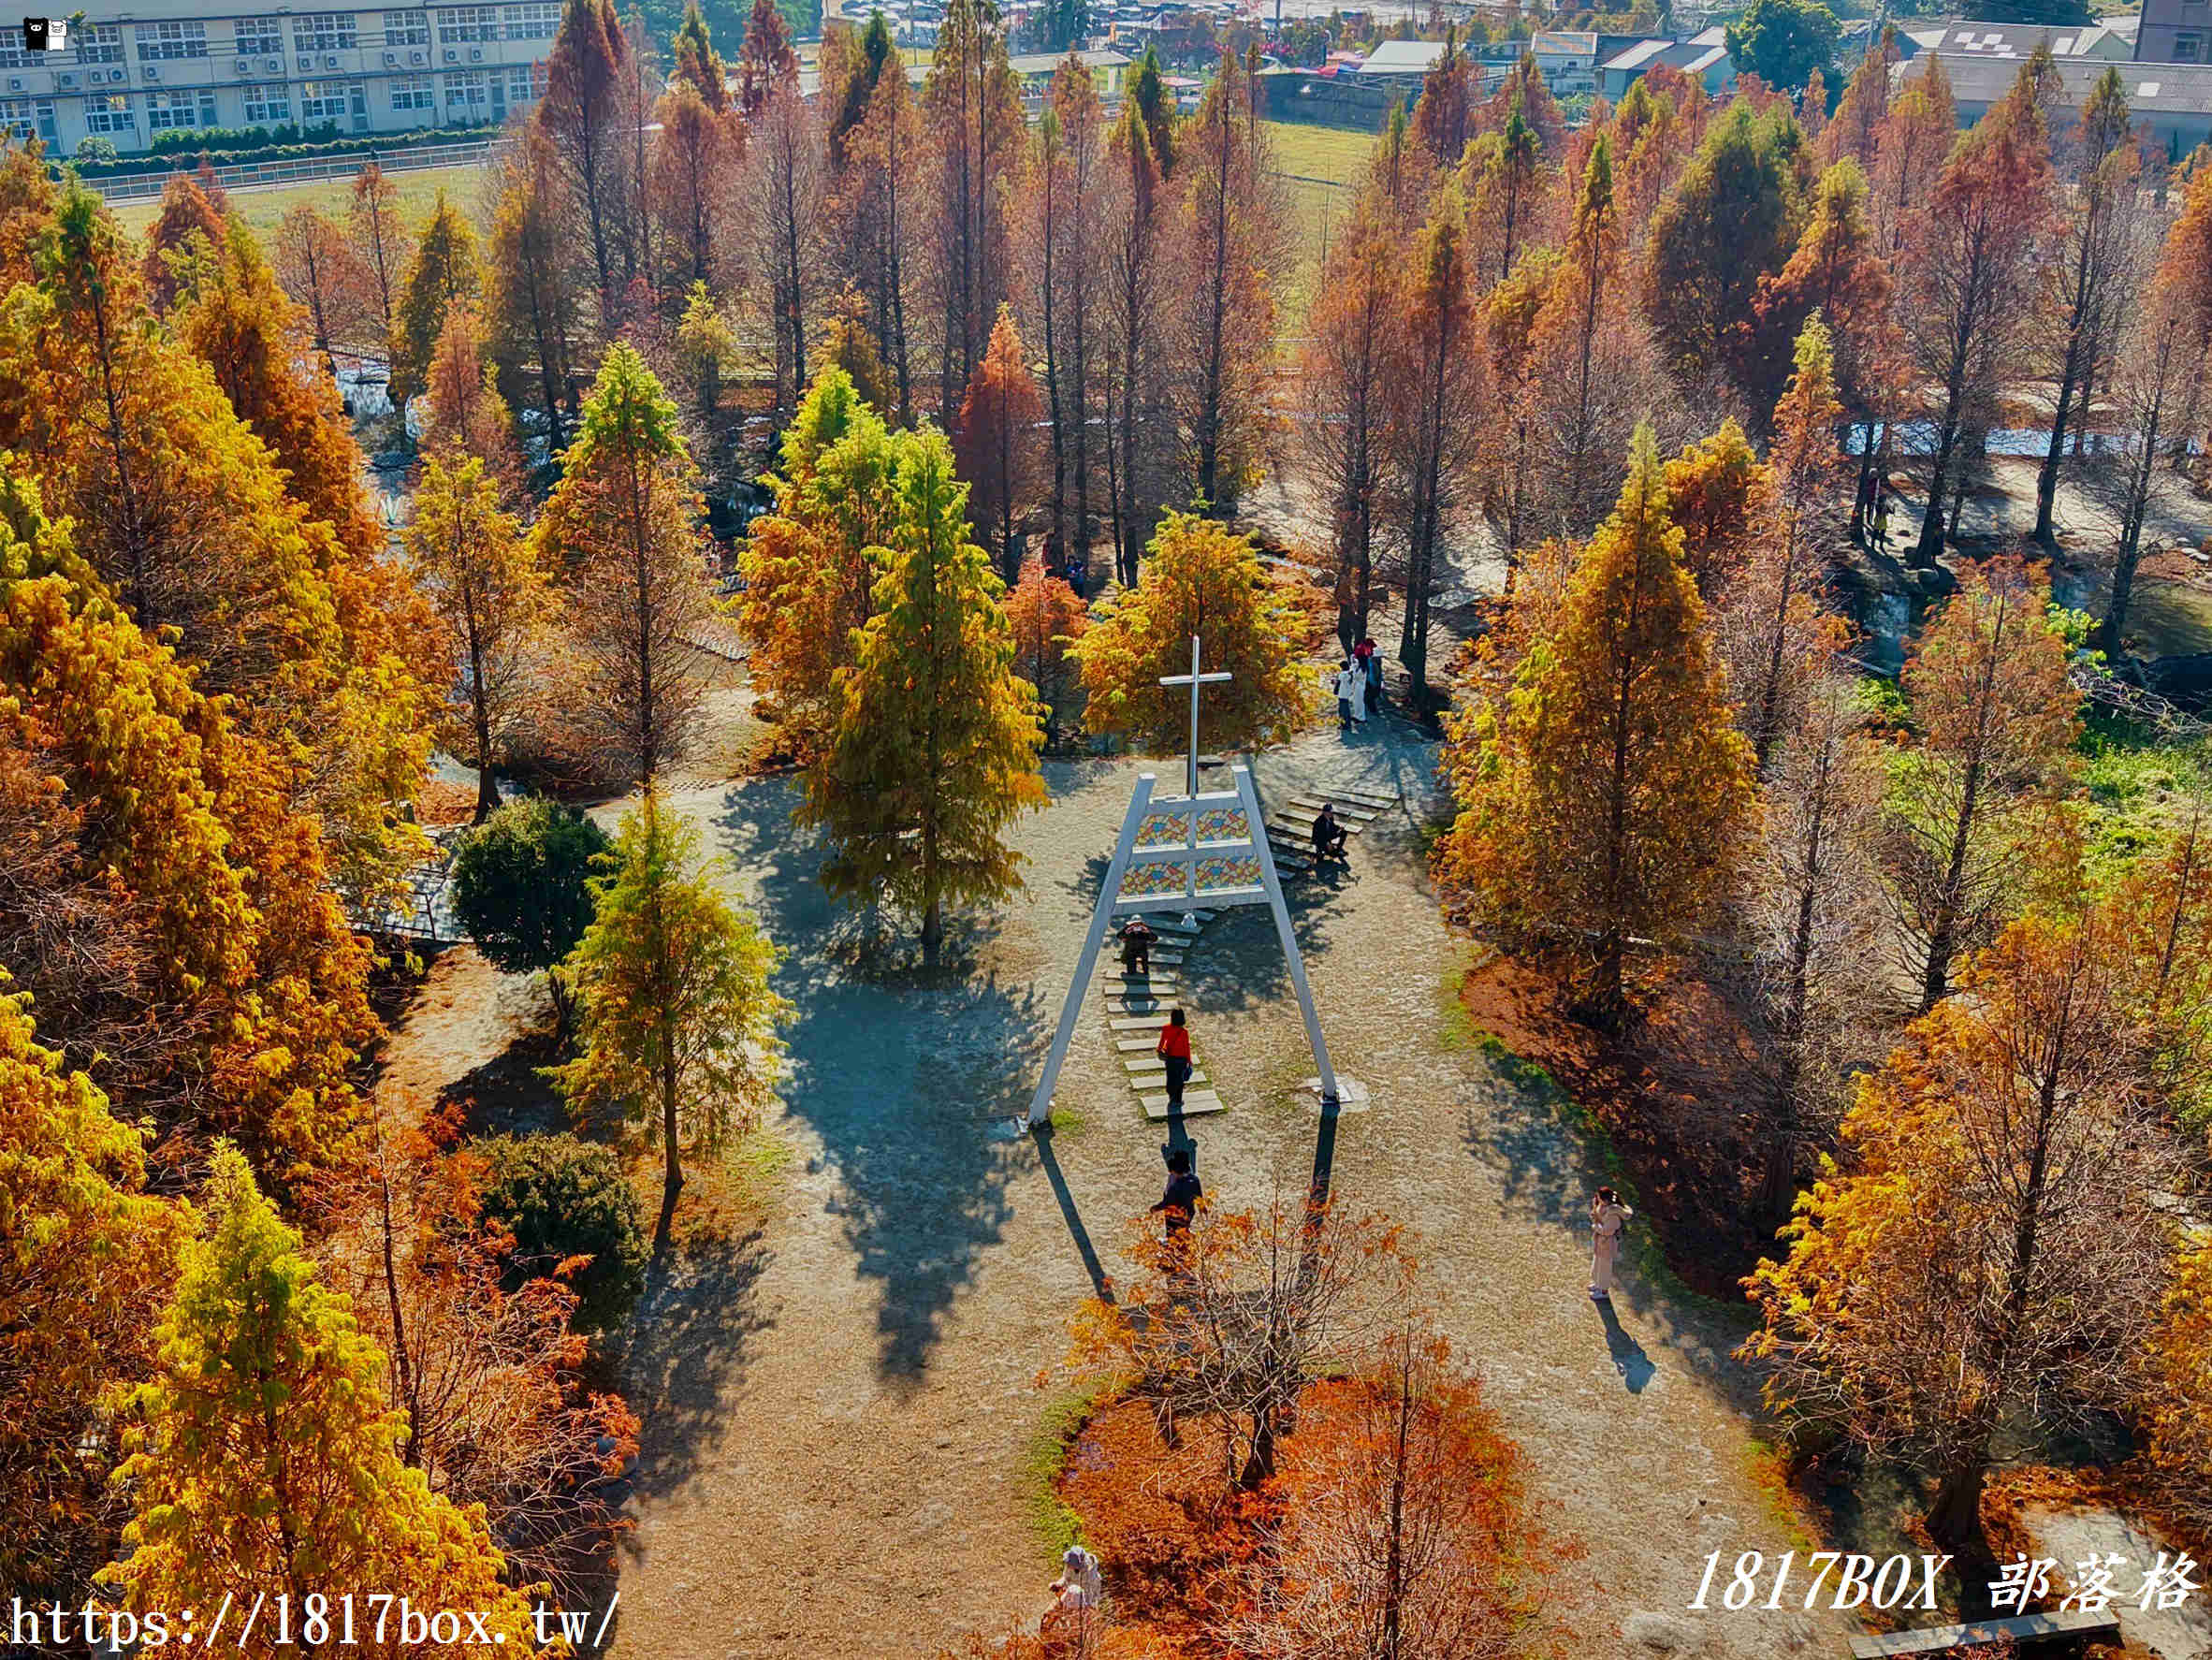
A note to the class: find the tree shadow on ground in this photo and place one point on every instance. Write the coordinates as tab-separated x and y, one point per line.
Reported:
690	1336
899	1079
1549	1152
509	1095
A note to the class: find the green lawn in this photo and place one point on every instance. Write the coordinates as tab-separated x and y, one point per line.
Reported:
1322	164
1334	153
263	208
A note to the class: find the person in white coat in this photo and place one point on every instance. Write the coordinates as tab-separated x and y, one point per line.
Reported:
1608	1217
1351	696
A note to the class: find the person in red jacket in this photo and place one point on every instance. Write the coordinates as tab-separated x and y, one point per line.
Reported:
1174	1048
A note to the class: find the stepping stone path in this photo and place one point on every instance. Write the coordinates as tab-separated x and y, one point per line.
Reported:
1137	1006
1290	827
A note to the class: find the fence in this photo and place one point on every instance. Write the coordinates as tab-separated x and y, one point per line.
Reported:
305	170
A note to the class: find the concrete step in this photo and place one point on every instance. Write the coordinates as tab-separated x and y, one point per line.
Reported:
1149	1083
1194	1106
1305	810
1158	1006
1148	1062
1137	1045
1138	1023
1379	800
1138	984
1170	957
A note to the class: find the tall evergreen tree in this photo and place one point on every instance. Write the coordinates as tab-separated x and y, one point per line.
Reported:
1989	688
2096	254
1611	786
443	269
935	749
269	1463
680	1022
622	530
587	75
995	442
483	578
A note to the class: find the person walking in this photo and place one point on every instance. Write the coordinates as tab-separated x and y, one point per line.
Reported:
1340	685
1351	697
1136	948
1608	1217
1881	538
1174	1048
1179	1202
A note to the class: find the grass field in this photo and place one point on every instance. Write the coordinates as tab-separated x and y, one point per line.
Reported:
1322	163
263	208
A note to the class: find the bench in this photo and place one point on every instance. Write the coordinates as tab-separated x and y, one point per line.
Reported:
1938	1640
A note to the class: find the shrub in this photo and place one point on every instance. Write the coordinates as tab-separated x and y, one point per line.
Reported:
519	887
563	1197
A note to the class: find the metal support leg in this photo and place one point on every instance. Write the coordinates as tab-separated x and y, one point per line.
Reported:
1041	1104
1268	880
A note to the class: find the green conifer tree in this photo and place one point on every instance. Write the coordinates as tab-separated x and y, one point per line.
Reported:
679	1023
935	748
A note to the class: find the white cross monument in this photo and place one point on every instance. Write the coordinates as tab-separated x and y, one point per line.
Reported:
1177	853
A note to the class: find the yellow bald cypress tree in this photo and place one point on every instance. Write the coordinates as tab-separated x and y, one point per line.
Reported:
265	1462
1610	789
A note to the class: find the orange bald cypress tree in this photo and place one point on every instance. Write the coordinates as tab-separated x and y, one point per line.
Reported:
995	443
1611	786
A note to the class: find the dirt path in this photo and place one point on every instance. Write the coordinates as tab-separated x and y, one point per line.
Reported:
837	1410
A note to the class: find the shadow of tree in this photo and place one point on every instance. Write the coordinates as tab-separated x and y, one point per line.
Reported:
1548	1156
690	1336
897	1075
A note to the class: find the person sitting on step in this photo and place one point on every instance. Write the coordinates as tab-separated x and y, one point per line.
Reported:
1328	836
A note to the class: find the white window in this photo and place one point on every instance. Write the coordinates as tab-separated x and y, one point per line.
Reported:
110	113
538	20
407	28
322	100
16	120
324	31
468	23
259	37
2187	48
99	43
268	105
159	41
521	87
414	92
14	54
466	93
179	109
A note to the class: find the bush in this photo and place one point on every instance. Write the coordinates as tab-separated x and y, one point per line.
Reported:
259	144
563	1197
518	886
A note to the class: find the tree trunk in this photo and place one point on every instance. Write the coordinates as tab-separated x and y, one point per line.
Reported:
1954	1521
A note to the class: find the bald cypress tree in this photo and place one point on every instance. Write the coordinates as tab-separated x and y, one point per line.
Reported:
269	1459
1610	788
935	748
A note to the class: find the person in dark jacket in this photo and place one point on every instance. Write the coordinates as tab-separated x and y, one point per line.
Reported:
1179	1202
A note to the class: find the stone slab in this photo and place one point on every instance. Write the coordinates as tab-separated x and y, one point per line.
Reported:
1374	798
1147	1082
1136	1045
1194	1106
1298	812
1138	1023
